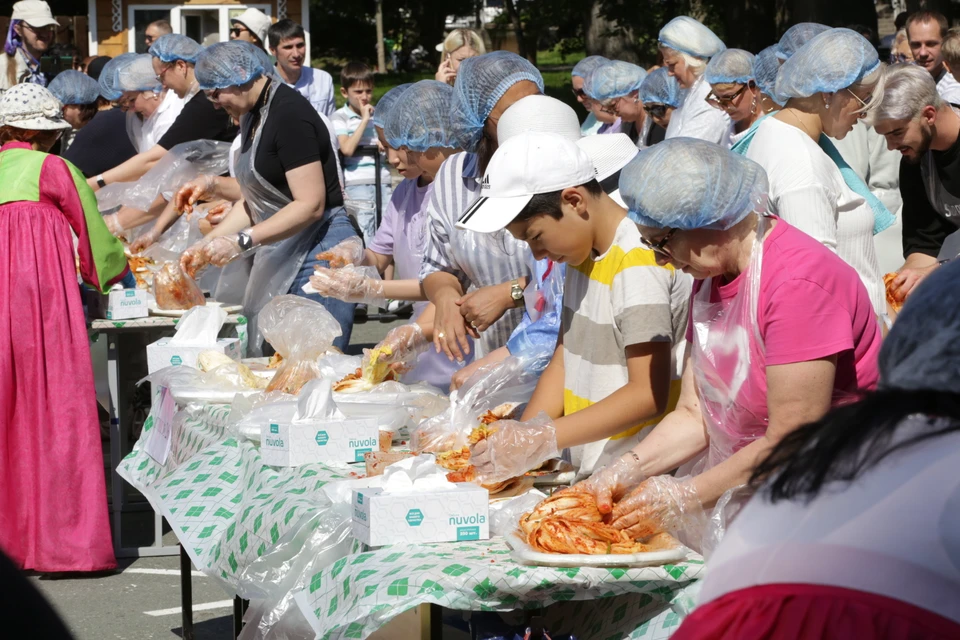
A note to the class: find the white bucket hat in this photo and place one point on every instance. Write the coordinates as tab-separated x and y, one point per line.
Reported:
35	13
256	21
30	106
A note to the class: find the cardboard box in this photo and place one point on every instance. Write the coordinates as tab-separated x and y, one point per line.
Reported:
460	513
162	354
126	304
338	442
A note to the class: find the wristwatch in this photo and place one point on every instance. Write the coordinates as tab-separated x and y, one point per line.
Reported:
516	292
245	240
101	182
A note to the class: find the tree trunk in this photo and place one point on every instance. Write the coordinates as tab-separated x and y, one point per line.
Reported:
603	37
381	56
514	17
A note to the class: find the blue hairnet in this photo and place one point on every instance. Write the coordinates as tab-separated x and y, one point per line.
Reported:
660	87
766	66
173	47
834	60
387	101
797	36
481	82
922	350
230	64
73	87
109	76
137	74
730	66
421	120
583	68
686	35
708	187
613	80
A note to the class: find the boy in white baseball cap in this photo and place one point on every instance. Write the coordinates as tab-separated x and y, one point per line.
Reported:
616	368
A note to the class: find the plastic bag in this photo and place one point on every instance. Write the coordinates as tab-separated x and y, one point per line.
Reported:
505	514
301	331
180	164
174	289
181	235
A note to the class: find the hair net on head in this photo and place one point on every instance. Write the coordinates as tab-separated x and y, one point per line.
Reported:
686	35
832	61
583	68
387	101
73	87
613	80
709	187
173	47
660	87
137	74
481	82
922	350
109	75
730	66
229	64
766	66
797	36
421	120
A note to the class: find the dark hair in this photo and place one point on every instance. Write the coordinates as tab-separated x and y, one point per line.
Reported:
96	66
548	204
901	20
87	111
850	440
355	73
863	30
284	30
928	16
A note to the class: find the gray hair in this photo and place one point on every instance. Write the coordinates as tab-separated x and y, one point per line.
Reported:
903	92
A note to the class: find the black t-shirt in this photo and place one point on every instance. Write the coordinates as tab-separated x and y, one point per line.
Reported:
925	226
199	120
294	136
101	145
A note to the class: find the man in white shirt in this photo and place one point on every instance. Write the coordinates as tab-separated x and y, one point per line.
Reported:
925	33
288	45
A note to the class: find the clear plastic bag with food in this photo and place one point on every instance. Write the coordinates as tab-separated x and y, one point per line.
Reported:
300	330
174	289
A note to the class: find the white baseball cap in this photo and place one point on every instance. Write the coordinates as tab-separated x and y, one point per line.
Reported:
256	21
35	13
609	153
538	113
524	166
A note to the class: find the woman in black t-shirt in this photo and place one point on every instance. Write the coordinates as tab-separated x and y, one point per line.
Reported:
290	203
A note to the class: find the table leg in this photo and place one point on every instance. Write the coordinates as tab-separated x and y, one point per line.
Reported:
186	594
431	622
116	487
239	608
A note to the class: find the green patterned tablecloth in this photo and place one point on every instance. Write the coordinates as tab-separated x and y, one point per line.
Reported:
359	593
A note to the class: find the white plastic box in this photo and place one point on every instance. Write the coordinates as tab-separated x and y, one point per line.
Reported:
162	354
334	442
449	515
126	304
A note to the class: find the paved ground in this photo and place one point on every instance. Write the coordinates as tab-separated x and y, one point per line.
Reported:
142	600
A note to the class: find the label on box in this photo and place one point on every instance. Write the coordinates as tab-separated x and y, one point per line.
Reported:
157	445
460	513
126	304
338	442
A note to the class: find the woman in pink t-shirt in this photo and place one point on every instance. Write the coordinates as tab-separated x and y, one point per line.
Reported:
781	330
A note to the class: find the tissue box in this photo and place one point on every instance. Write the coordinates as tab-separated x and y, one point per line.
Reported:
162	354
337	442
458	513
126	304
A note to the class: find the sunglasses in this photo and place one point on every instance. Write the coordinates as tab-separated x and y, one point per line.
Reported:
213	95
656	110
719	102
238	30
659	247
580	93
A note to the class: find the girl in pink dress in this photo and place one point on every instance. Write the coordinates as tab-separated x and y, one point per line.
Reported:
53	510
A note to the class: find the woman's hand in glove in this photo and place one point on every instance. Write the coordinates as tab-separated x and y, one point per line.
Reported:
402	344
660	503
144	241
112	221
350	251
350	284
609	484
200	188
513	448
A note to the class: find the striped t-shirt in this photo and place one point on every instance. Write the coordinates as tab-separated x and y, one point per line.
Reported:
611	302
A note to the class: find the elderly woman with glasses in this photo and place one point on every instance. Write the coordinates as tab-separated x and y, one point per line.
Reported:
687	46
780	330
734	90
615	86
825	85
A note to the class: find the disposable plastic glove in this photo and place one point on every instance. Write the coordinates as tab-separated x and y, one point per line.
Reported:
350	284
200	188
113	224
660	503
195	259
145	240
402	344
350	251
612	482
513	448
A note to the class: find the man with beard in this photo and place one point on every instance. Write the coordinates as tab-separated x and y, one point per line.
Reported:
31	34
925	33
925	129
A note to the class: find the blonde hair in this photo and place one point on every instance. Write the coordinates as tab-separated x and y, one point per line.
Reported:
951	49
463	37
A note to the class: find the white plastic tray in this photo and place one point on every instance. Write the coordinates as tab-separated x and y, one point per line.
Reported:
524	554
211	396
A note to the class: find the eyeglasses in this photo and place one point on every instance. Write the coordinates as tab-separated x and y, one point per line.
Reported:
660	247
579	93
163	72
213	95
610	108
719	102
39	30
865	105
656	110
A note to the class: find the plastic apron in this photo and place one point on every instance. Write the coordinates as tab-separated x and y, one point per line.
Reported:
275	266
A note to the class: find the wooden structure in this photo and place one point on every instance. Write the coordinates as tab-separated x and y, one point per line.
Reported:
117	26
72	30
